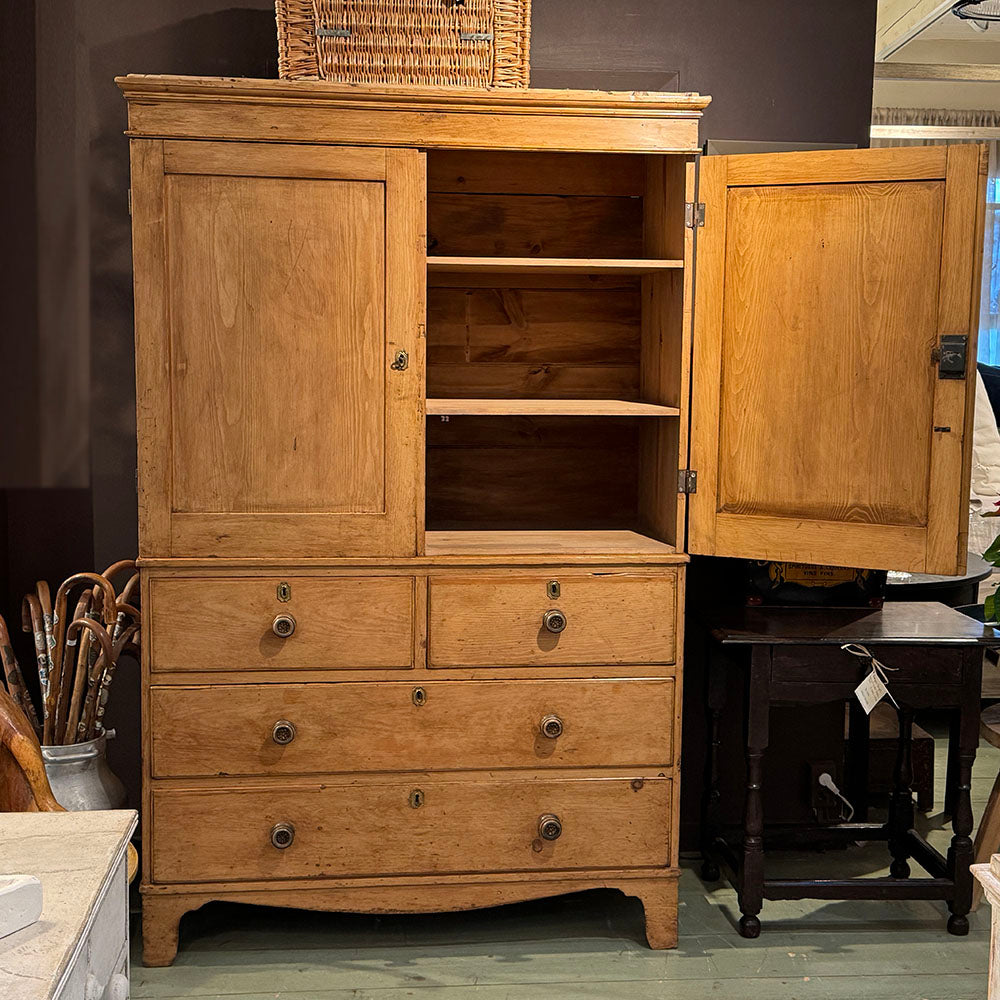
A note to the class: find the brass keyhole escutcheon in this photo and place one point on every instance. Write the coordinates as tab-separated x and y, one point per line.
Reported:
552	589
552	727
284	590
549	827
283	626
419	697
416	798
283	732
554	620
400	361
282	835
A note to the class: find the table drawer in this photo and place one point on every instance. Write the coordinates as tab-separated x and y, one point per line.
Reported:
429	824
256	729
605	618
234	624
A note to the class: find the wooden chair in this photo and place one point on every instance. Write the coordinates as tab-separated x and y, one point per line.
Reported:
988	835
24	786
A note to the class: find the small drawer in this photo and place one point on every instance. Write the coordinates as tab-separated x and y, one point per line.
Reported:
427	824
561	618
260	729
269	623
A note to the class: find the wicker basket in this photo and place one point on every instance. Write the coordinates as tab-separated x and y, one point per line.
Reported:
475	43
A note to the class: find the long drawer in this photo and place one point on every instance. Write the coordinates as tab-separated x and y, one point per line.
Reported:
269	623
428	824
593	618
257	729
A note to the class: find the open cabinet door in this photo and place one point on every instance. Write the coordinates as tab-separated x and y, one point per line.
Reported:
836	292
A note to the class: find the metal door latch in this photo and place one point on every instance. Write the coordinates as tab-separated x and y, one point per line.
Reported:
401	361
951	356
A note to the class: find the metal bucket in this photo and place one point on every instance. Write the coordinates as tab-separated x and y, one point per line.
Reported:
80	776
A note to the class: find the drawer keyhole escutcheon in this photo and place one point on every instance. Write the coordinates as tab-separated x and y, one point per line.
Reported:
283	626
549	827
552	589
552	727
283	732
554	620
282	835
419	697
284	592
416	798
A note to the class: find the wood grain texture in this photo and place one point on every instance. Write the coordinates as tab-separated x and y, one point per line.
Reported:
858	263
475	225
496	620
226	624
491	172
513	324
253	159
152	347
510	544
852	269
164	905
367	828
427	117
459	726
839	166
254	306
553	265
532	473
958	313
547	407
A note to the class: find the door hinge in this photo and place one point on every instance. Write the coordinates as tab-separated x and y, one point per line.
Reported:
951	356
687	481
130	202
694	214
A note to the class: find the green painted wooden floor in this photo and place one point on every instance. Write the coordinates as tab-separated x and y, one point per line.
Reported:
591	946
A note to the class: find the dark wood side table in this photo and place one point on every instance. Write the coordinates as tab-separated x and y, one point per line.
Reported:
793	656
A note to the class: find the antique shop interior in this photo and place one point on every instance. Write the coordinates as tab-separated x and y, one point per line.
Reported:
500	499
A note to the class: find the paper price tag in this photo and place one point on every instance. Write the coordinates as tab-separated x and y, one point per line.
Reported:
871	691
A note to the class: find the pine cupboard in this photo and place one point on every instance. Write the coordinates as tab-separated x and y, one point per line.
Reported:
436	391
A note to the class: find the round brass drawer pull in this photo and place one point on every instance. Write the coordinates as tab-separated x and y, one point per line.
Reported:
283	732
549	827
554	621
552	727
283	626
282	835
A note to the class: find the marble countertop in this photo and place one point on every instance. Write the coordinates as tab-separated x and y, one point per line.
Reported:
74	854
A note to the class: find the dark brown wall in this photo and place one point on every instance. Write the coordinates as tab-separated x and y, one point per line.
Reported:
777	70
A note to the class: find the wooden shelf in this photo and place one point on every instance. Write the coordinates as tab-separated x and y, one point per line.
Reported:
546	408
534	543
549	265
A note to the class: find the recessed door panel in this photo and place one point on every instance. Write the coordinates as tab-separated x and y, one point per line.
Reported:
822	428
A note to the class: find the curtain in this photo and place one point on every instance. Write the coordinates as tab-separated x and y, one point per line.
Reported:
989	317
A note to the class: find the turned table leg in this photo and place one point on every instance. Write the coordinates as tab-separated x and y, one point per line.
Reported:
901	799
960	853
751	887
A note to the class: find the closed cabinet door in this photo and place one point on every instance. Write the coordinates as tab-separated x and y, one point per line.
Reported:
279	307
834	356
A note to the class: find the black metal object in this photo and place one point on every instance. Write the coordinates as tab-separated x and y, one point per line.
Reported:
977	10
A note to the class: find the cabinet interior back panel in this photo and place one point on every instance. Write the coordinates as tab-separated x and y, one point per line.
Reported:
532	473
821	431
277	319
545	336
